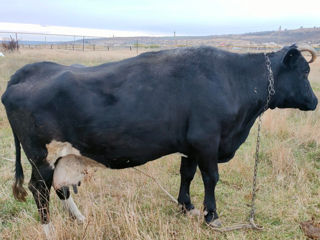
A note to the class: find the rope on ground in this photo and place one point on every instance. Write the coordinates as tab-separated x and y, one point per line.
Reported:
250	225
7	159
156	181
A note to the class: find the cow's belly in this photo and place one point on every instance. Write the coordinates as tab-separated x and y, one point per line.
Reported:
119	150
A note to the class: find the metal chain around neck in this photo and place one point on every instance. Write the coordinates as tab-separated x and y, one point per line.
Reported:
270	78
271	92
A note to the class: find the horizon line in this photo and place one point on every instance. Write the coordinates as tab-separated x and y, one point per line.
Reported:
38	29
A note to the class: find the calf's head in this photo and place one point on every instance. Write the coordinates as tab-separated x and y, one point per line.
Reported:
292	86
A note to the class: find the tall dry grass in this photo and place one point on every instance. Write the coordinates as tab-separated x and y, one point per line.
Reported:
123	204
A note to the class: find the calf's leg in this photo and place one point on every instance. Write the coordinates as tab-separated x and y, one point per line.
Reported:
68	203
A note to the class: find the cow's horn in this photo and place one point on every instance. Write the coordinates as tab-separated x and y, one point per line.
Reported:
311	50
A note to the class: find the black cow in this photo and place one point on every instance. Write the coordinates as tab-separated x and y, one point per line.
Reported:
201	102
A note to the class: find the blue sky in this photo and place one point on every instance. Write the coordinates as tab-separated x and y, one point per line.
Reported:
186	17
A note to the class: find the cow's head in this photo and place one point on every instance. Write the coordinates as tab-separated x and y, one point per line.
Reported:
292	86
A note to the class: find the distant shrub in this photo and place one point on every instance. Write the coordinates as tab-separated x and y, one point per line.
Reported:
154	46
145	46
139	45
11	45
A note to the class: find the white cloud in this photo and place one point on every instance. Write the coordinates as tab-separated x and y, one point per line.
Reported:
40	29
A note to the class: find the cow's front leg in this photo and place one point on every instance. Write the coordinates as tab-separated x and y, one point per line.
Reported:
187	170
210	177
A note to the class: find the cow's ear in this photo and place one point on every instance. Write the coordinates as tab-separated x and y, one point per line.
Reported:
291	57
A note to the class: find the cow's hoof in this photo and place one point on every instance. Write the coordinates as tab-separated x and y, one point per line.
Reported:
190	210
49	231
81	219
216	223
194	212
78	217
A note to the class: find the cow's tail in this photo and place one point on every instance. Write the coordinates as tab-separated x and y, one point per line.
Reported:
19	192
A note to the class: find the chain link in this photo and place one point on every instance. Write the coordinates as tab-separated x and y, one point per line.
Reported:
271	92
270	78
254	184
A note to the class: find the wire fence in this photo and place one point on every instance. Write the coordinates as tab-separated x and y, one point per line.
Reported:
92	43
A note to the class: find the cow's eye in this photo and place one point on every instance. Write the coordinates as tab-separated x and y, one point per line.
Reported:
306	73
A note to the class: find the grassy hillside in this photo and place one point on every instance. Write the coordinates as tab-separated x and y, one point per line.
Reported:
301	35
282	37
123	204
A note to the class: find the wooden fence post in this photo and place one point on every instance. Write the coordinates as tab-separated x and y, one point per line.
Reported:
137	47
83	43
17	45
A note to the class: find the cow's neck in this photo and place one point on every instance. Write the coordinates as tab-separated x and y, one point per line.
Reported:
249	93
255	83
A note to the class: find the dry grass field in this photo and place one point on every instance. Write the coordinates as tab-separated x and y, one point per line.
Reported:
123	204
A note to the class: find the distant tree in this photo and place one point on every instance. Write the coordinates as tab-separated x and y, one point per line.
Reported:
11	45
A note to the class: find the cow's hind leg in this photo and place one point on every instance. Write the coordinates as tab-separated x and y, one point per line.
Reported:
187	170
40	184
68	203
